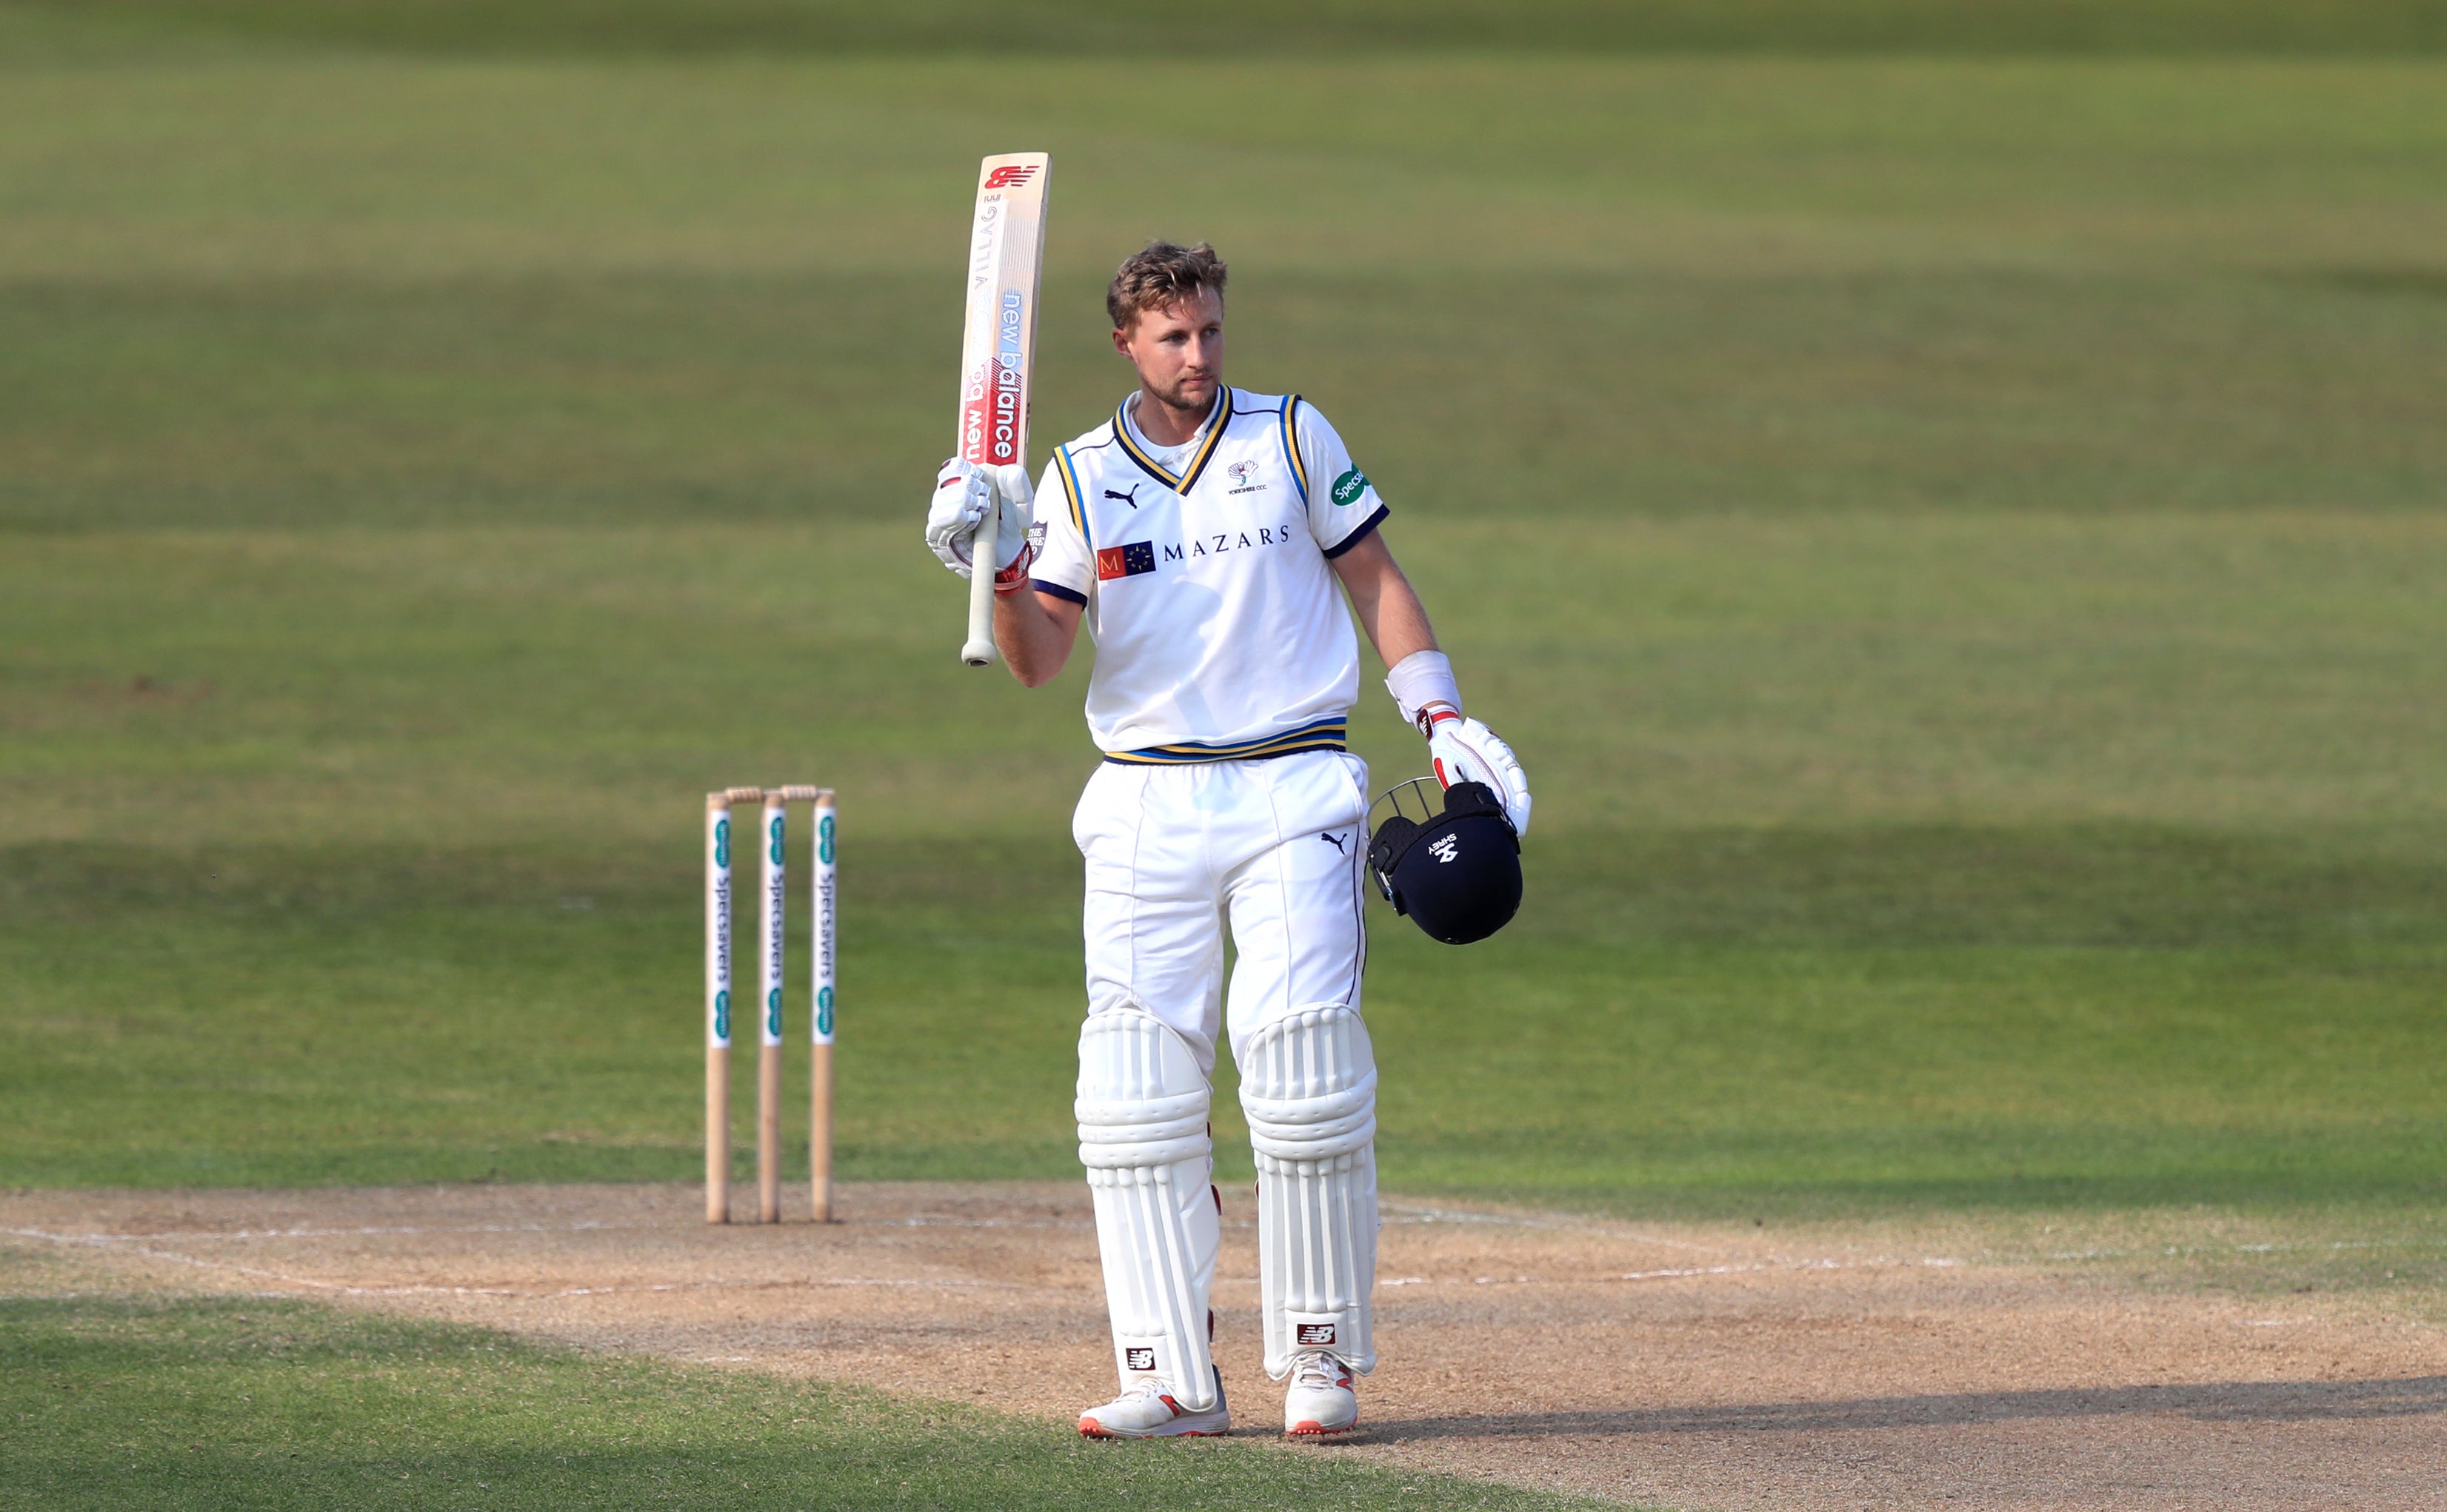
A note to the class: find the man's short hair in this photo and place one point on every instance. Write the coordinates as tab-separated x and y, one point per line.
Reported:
1159	275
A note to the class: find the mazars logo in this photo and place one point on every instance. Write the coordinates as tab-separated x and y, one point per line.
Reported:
1011	176
1444	847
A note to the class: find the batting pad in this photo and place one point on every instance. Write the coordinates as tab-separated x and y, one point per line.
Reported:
1308	1083
1143	1105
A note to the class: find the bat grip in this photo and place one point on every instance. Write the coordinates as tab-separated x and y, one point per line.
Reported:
979	651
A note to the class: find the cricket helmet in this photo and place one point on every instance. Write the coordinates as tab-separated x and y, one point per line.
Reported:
1457	874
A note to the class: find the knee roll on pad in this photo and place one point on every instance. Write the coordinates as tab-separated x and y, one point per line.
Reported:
1308	1085
1142	1109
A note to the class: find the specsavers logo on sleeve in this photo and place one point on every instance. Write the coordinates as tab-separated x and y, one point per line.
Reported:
1350	486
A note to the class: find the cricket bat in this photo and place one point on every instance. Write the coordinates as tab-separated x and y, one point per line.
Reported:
998	350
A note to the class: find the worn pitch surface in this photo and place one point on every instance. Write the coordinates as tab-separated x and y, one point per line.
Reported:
1690	1365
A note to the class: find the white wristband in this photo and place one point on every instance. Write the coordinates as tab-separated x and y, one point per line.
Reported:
1422	678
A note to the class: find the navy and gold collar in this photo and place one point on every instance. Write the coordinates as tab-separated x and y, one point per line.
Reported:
1221	417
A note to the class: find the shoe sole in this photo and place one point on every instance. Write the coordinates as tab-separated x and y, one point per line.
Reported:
1317	1430
1090	1429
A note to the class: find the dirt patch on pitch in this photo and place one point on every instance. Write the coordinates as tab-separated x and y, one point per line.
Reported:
1713	1366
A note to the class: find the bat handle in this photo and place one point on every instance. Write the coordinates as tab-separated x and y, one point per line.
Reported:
979	651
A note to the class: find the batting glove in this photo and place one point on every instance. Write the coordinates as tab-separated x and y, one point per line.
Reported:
1465	750
962	491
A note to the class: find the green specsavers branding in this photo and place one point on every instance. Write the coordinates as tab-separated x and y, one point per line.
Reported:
1350	486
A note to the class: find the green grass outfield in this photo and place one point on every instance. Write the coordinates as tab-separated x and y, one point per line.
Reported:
1957	542
1107	26
265	1404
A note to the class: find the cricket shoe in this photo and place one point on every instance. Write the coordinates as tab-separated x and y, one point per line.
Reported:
1148	1410
1321	1402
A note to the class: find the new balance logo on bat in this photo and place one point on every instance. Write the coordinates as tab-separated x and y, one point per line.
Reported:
1011	176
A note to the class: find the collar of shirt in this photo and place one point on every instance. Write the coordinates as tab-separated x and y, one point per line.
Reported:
1168	458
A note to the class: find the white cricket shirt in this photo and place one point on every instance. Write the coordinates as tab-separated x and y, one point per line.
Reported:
1221	633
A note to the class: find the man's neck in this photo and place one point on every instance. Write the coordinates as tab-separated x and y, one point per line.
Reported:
1163	424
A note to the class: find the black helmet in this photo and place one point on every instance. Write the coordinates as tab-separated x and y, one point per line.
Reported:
1457	874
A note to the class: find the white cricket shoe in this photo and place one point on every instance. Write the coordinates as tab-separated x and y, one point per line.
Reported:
1320	1401
1148	1410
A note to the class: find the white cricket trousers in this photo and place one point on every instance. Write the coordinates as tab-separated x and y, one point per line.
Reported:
1277	849
1274	851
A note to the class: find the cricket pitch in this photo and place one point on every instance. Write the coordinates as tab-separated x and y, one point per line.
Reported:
1689	1364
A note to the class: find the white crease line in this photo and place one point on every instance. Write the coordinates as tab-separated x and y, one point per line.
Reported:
116	1244
340	1233
822	1281
931	1221
1934	1262
1686	1272
1883	1262
1431	1214
113	1243
119	1243
2179	1250
1412	1214
1690	1269
919	1221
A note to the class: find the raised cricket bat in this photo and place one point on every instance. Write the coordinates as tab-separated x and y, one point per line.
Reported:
999	348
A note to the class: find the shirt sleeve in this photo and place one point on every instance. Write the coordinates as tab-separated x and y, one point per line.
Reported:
1063	566
1342	503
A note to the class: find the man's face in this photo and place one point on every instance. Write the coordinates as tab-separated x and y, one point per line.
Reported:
1178	350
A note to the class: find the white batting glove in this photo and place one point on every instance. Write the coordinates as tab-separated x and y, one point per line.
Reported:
1465	750
962	491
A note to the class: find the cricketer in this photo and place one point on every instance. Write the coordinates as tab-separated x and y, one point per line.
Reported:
1201	533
